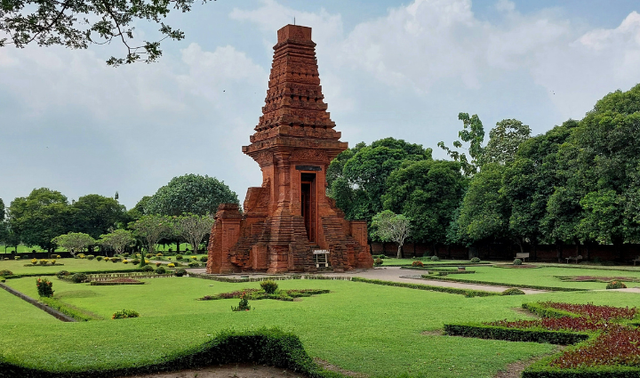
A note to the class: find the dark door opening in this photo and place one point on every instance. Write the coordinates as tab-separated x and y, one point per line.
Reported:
308	204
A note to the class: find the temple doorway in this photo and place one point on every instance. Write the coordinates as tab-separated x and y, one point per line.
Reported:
308	202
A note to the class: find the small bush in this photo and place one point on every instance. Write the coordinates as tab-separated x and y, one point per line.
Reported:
124	314
81	256
148	255
616	285
159	254
99	258
135	261
243	305
378	262
45	287
34	261
171	265
90	257
79	278
161	270
115	259
517	262
63	274
269	286
513	291
16	257
107	258
435	258
43	262
5	273
194	264
180	272
147	268
125	261
179	257
176	264
158	263
417	263
475	260
204	258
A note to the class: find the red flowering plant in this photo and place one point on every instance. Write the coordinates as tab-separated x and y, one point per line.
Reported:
45	287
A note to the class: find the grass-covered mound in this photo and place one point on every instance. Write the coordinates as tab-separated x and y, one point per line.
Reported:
266	346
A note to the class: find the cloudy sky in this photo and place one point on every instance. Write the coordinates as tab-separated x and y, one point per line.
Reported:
403	69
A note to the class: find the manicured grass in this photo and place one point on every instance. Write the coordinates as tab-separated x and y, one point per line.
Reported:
14	311
390	261
544	276
72	265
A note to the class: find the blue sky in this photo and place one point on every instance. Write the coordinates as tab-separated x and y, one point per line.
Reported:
403	69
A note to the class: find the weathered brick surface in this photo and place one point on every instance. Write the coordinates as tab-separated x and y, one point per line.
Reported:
293	143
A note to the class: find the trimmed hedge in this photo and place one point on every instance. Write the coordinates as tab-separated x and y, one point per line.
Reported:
547	312
513	334
265	347
451	290
541	369
535	287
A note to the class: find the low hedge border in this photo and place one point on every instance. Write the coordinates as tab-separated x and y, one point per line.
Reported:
46	265
541	369
80	271
451	290
107	283
547	312
265	347
513	334
535	287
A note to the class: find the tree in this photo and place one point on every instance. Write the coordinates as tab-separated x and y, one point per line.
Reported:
4	230
504	140
39	217
388	226
473	133
359	187
74	242
151	228
190	193
427	192
94	214
80	23
117	240
193	228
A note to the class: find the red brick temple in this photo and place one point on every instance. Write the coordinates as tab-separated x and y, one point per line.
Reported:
289	224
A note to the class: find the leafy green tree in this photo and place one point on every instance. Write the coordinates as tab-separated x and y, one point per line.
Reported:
94	214
4	231
39	217
117	240
484	211
81	23
472	133
150	229
193	228
190	193
391	227
427	192
504	140
74	242
359	188
138	210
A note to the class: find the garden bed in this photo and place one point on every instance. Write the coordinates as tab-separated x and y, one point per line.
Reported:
118	281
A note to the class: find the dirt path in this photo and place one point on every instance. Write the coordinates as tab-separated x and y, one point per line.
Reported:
226	371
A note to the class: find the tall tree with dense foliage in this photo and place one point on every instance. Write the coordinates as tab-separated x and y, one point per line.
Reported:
504	140
117	240
428	192
190	193
391	227
359	186
472	133
94	214
193	228
151	228
39	217
74	242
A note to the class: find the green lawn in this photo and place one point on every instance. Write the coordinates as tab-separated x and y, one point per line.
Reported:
390	261
376	330
73	265
544	276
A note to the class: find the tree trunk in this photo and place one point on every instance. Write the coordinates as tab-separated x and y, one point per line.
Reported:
399	256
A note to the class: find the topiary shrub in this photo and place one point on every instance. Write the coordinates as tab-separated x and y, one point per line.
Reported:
124	314
204	258
135	261
90	257
435	258
79	278
179	257
269	286
45	287
34	261
63	274
16	257
378	262
193	264
158	263
243	305
513	291
159	254
418	264
115	259
161	270
5	273
147	268
616	285
180	272
171	265
475	260
125	261
43	262
81	256
99	258
517	262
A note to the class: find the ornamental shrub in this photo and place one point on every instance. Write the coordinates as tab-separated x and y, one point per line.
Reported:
616	285
17	257
125	261
194	264
147	268
517	262
179	257
243	305
63	274
158	254
378	262
99	258
171	265
5	273
194	257
135	261
79	278
435	258
115	259
45	287
43	262
34	261
124	314
53	262
107	258
513	291
90	257
475	260
180	272
417	263
204	258
148	255
269	286
158	264
161	270
81	256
